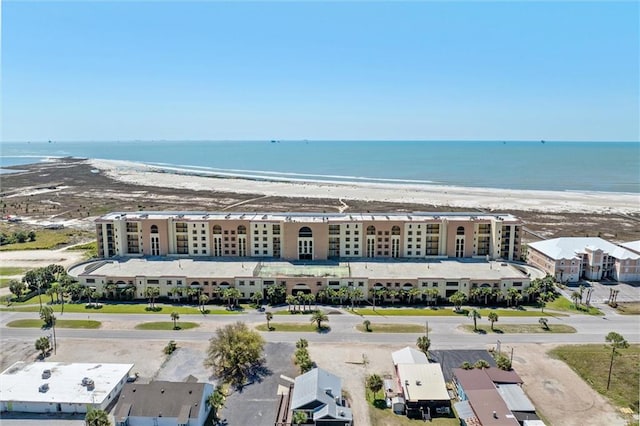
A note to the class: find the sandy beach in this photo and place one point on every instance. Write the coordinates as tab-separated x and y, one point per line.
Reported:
436	195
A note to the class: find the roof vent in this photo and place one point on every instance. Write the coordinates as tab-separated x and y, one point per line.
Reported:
43	387
46	374
406	382
495	415
162	390
418	382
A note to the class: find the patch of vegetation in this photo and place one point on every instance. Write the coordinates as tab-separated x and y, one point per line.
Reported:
166	325
90	249
563	304
4	282
45	239
624	308
12	270
591	362
38	323
448	312
286	326
170	348
520	328
380	415
392	328
115	308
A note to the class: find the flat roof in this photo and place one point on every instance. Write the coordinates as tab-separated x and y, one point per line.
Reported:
152	267
303	217
452	269
161	398
632	245
21	382
209	267
422	382
571	247
308	269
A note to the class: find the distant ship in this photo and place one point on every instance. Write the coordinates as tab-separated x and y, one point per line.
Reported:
542	141
273	141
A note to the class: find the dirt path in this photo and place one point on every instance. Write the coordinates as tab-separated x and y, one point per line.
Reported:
558	393
40	258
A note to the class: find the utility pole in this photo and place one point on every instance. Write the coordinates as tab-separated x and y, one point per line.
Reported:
53	326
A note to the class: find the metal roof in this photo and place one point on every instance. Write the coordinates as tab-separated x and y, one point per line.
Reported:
571	247
409	355
515	398
320	386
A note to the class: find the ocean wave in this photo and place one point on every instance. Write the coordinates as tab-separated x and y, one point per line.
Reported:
289	176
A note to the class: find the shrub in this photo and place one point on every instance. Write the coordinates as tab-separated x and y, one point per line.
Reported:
171	347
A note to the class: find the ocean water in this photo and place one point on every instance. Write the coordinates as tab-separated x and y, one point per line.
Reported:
559	166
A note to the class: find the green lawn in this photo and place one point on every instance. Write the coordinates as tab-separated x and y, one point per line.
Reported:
45	239
380	415
448	312
629	308
296	327
520	328
166	325
392	328
37	323
563	304
114	308
12	270
4	282
591	362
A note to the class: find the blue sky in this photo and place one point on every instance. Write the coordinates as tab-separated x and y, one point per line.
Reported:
320	70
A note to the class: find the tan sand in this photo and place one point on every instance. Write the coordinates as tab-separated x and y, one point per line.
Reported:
437	195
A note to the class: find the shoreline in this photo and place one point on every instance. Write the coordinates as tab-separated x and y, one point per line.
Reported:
136	173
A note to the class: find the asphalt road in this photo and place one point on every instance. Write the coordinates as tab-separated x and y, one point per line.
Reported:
444	331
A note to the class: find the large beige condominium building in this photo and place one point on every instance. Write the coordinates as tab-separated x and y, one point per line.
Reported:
309	236
308	253
571	259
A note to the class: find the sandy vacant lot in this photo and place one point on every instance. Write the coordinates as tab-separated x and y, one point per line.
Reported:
558	393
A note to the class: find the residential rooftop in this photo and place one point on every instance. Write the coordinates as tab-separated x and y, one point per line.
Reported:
572	247
302	217
22	382
422	382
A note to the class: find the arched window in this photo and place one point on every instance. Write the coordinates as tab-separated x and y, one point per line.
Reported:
395	230
242	230
305	232
460	230
371	230
154	229
217	229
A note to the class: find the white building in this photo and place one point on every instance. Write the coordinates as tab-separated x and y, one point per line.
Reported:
571	259
57	387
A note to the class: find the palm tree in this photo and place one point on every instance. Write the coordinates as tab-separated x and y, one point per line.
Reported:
216	401
46	315
493	317
393	294
302	343
290	300
514	295
413	293
97	418
203	300
575	296
175	316
43	345
432	294
110	289
481	363
269	317
319	317
458	298
367	325
475	294
616	341
544	323
374	384
475	315
423	343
